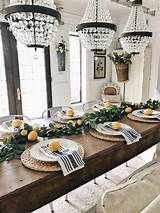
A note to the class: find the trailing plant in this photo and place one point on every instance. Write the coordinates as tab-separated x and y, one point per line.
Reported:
14	145
120	58
61	46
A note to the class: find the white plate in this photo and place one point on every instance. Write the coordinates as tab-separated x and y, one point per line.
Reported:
97	107
38	155
138	113
109	131
77	114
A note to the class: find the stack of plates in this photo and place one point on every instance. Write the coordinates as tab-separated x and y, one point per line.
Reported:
61	117
34	159
108	134
138	115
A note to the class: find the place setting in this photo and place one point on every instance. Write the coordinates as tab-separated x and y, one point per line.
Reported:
116	132
66	114
54	155
145	115
102	105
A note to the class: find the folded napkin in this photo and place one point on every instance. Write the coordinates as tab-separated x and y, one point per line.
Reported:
130	135
69	160
153	116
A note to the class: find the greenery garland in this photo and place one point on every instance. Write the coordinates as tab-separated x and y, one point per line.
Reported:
14	145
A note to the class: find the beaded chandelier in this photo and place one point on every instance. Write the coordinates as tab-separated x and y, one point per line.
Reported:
33	22
96	29
136	35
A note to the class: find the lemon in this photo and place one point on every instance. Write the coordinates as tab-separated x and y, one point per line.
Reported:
72	123
54	145
128	110
107	104
148	111
70	112
24	132
116	125
32	136
79	122
16	123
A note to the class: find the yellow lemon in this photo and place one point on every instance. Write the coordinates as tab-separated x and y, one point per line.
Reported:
148	111
128	110
54	145
24	132
32	136
107	104
16	123
70	112
116	125
79	122
71	122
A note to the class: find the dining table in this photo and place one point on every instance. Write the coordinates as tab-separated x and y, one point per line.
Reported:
24	190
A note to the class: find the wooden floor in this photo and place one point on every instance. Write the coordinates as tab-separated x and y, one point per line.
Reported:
83	199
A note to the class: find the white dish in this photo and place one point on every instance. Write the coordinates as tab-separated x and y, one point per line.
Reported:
109	131
139	113
77	114
38	155
97	107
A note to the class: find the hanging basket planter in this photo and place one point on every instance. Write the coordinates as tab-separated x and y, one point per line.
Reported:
121	61
61	55
61	58
122	72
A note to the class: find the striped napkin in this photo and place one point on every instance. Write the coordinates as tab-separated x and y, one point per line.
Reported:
153	116
130	135
69	160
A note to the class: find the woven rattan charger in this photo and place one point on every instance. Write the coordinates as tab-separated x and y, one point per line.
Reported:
36	165
144	120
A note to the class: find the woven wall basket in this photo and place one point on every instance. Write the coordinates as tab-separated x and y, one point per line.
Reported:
122	72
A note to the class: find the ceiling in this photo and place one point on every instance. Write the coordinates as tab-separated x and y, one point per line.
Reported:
78	6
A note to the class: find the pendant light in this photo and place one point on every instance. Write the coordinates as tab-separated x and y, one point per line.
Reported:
96	29
136	35
33	22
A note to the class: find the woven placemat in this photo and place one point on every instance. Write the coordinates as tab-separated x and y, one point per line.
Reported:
36	165
57	119
113	138
144	120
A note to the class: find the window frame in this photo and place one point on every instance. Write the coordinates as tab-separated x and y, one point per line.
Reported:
78	102
11	62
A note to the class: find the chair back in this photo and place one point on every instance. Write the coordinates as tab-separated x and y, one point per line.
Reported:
90	104
50	112
11	117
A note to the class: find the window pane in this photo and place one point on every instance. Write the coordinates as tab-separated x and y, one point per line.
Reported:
4	109
75	69
32	80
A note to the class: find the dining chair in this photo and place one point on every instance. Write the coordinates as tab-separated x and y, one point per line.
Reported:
88	105
11	117
50	112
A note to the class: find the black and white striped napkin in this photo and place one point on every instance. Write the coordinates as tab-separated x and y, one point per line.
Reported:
69	160
130	135
157	116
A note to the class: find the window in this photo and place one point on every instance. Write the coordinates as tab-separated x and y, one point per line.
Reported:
25	82
32	80
75	68
4	110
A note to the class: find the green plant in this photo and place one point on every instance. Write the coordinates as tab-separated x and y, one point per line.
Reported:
120	58
61	47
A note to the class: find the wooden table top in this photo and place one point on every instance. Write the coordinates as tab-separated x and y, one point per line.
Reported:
16	181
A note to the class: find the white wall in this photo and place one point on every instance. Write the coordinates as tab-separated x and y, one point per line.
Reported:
155	66
61	80
137	87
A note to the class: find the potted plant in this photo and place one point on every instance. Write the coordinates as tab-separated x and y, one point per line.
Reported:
61	55
121	61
